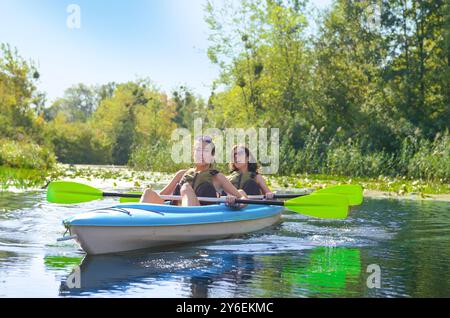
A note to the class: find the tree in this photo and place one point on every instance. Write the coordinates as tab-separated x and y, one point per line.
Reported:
187	106
137	115
417	67
18	97
77	104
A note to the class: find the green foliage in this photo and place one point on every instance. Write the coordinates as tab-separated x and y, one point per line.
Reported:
154	157
377	75
75	142
365	94
21	178
432	160
187	107
78	104
128	117
19	98
137	115
23	139
26	155
347	159
418	157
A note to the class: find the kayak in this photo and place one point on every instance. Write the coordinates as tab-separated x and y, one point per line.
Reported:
132	226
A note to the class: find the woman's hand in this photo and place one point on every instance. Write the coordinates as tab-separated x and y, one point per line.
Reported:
170	188
230	201
269	195
243	205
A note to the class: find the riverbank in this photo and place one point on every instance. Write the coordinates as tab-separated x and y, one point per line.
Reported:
410	196
381	187
122	177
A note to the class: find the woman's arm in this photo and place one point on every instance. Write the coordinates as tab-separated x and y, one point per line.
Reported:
168	189
262	184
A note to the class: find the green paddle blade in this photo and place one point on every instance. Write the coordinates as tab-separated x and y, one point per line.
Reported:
352	191
56	262
128	200
326	205
71	192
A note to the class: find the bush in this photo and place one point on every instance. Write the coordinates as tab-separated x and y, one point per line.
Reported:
155	157
311	156
417	158
22	154
77	143
348	159
432	159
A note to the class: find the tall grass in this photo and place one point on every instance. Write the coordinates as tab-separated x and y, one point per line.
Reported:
431	160
417	158
155	157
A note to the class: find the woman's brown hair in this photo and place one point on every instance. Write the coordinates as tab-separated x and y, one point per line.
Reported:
252	165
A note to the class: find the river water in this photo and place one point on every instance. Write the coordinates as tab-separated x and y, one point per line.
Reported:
386	248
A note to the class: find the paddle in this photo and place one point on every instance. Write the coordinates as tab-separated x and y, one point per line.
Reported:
327	205
353	192
73	192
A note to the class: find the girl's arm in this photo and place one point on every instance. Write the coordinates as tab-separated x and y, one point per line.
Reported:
262	184
168	189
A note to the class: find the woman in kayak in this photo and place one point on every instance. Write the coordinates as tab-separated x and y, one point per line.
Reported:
244	175
200	181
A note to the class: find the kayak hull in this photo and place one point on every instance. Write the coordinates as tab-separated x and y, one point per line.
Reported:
113	231
119	239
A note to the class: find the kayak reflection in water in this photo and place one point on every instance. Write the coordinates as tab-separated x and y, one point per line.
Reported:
244	173
200	181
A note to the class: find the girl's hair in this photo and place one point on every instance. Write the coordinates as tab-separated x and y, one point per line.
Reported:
208	140
252	165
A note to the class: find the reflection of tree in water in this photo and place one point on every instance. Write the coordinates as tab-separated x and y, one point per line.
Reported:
322	271
10	202
415	262
200	285
8	257
118	272
21	214
235	272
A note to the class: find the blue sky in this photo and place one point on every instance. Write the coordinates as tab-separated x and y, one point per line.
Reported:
118	41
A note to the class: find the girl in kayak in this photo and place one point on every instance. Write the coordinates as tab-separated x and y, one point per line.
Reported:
245	176
200	181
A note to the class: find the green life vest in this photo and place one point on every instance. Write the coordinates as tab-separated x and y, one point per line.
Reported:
198	178
239	179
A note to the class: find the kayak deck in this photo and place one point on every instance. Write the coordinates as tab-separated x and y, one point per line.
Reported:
145	214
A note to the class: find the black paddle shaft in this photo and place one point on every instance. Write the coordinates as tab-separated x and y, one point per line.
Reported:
132	195
261	202
122	195
289	196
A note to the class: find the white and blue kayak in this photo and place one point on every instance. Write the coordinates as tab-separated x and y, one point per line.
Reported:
133	226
